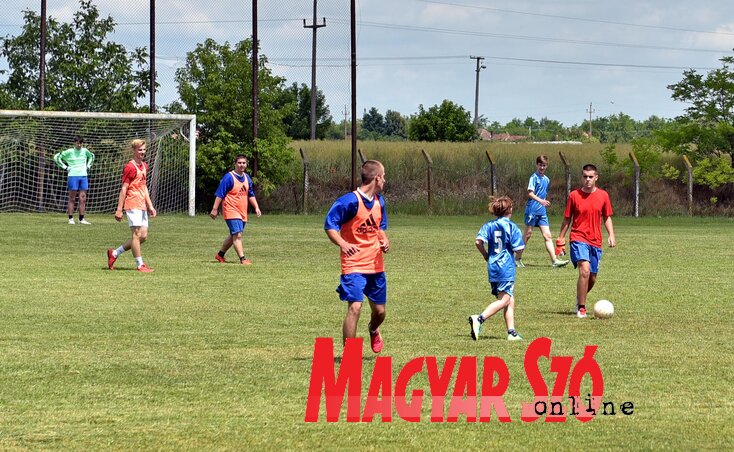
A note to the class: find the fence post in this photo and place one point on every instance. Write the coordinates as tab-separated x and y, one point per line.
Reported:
637	183
429	161
492	173
689	168
361	156
304	199
567	170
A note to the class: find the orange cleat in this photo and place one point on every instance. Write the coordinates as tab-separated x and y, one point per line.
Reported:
145	269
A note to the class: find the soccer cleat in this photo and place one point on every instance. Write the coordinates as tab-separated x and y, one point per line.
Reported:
581	312
559	263
376	340
476	326
519	264
220	258
84	222
71	221
111	259
145	269
514	337
245	261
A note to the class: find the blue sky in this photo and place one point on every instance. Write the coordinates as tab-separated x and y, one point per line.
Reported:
544	58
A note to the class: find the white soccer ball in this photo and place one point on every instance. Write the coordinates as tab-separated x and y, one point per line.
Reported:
603	309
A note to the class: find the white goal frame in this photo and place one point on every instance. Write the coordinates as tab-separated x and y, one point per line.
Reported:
131	116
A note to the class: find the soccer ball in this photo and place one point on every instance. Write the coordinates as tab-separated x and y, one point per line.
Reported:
603	309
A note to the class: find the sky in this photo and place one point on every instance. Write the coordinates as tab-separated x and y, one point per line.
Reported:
556	59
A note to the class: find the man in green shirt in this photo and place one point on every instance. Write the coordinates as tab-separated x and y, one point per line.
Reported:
76	161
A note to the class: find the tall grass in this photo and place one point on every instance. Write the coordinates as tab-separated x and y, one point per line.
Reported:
461	176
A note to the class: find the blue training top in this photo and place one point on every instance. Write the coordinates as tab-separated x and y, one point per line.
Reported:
539	185
503	238
226	184
345	208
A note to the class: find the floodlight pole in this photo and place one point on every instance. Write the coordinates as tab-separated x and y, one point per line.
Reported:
41	105
255	89
353	28
152	56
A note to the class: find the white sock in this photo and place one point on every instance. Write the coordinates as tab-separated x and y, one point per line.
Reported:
118	251
139	261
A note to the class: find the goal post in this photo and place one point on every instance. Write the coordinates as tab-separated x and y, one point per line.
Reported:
31	181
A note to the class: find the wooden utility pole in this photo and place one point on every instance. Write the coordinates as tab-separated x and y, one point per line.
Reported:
314	26
590	111
480	66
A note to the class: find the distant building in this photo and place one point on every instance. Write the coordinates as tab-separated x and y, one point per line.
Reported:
486	135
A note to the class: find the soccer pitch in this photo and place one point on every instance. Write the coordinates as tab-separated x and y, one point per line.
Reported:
203	355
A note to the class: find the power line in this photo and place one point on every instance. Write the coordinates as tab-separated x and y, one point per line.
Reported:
528	38
601	21
279	61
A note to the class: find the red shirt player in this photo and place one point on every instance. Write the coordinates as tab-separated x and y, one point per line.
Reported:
587	208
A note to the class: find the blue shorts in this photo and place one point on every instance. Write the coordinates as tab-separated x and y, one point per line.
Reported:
536	220
581	251
503	286
78	183
236	226
354	286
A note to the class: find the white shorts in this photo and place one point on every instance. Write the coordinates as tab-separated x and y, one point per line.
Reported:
137	218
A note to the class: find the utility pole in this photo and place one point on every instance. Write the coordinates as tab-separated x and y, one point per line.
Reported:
353	47
314	26
152	56
255	89
346	115
590	111
480	66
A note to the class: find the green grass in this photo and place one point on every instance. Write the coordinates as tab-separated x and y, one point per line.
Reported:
200	355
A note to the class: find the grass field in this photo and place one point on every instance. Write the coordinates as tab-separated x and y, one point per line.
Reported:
202	355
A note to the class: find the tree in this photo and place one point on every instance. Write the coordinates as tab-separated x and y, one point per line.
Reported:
296	106
706	132
395	125
447	122
215	85
85	71
373	121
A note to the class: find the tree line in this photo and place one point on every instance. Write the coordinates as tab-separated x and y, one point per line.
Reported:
88	72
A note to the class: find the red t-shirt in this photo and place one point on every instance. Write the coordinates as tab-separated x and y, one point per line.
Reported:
588	211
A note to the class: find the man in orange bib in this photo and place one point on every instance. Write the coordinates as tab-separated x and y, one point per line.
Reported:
135	200
356	223
234	192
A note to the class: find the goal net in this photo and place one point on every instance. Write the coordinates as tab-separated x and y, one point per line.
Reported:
30	181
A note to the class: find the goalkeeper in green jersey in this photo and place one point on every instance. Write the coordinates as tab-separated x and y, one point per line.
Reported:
76	161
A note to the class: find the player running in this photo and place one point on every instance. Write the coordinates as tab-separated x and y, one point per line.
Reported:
504	238
536	214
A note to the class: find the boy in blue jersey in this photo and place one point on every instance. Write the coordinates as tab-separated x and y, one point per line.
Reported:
535	213
356	223
504	238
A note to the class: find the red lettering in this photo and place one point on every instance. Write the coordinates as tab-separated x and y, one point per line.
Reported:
409	412
439	385
381	382
466	384
539	347
491	393
323	376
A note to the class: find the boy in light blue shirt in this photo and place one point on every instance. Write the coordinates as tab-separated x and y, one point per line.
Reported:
535	213
503	238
